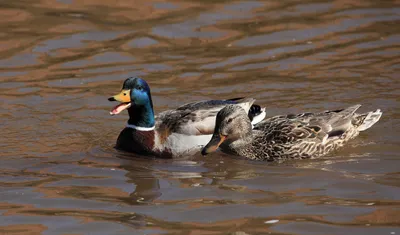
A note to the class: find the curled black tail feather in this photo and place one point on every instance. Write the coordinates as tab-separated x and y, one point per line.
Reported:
254	111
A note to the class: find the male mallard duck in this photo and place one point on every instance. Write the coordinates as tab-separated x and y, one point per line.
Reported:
184	130
305	135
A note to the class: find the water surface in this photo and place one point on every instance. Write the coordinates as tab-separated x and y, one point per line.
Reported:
60	60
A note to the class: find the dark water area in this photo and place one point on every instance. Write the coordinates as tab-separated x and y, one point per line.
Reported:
61	60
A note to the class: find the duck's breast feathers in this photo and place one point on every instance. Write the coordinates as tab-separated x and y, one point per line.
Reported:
197	118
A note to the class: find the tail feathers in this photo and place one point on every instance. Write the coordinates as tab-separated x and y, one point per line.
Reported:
246	103
256	114
370	119
348	112
341	119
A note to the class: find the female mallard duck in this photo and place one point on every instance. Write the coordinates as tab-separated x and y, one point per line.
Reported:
184	130
305	135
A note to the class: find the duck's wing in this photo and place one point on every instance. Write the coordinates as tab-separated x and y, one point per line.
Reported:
316	127
206	104
197	118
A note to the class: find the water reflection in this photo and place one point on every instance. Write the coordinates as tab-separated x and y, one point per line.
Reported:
59	61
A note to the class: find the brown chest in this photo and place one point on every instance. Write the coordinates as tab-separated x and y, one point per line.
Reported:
140	142
131	140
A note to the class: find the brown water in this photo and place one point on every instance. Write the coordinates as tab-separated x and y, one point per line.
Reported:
60	60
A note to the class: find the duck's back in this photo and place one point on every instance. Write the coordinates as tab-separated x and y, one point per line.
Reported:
198	118
308	135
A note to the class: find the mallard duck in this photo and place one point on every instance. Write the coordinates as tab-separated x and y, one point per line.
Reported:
305	135
184	130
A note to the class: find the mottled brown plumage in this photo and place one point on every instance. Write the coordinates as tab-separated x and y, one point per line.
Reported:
305	135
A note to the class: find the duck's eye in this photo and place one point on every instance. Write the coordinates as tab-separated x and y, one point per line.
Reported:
140	88
124	94
229	120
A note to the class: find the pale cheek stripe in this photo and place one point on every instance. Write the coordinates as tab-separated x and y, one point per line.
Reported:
139	128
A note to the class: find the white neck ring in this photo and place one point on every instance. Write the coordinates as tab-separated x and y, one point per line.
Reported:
139	128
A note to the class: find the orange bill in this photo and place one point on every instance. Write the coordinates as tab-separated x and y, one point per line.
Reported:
215	142
125	99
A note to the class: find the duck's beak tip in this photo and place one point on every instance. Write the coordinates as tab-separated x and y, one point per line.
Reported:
213	145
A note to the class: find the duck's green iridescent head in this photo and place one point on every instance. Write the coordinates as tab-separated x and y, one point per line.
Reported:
135	92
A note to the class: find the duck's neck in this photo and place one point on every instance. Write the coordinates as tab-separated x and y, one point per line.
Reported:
250	147
241	146
141	115
241	142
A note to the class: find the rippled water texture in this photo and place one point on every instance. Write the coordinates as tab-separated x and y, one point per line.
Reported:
60	60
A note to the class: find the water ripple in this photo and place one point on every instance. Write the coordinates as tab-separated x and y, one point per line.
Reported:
60	60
